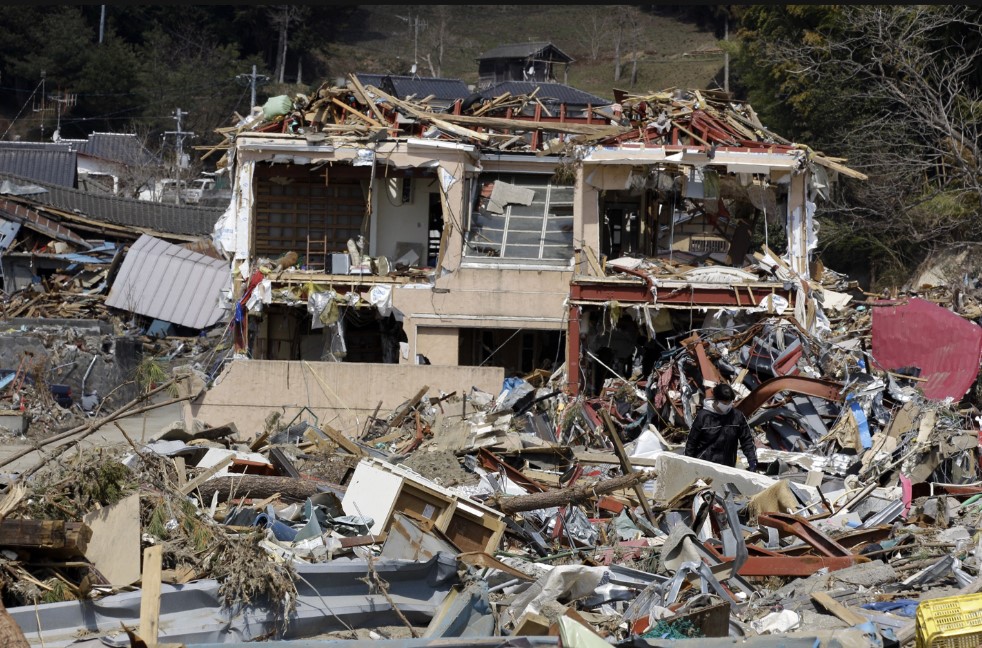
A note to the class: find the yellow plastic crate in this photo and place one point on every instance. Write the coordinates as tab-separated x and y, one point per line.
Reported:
951	622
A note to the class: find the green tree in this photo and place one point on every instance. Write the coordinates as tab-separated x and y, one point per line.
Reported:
896	90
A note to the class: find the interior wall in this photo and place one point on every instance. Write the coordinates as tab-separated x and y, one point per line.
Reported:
399	221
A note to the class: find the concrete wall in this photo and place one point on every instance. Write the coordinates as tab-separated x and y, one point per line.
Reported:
342	395
65	349
481	297
441	346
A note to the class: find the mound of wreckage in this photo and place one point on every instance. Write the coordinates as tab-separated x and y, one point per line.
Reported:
557	508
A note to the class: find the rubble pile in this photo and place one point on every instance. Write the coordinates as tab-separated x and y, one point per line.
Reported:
531	512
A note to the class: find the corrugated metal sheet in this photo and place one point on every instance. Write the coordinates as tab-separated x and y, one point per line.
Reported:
330	596
170	283
51	165
556	93
945	347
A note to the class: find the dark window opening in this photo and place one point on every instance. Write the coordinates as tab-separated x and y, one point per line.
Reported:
518	351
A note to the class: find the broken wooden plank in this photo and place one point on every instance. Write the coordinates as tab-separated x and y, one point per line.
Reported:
342	441
206	475
404	411
366	98
438	121
826	602
150	596
357	113
626	463
68	537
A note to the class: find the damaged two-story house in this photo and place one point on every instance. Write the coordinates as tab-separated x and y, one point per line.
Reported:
366	228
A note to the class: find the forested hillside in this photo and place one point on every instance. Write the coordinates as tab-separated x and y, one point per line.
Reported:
154	59
895	89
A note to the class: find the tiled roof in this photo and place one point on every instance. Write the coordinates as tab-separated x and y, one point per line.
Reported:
556	93
124	148
170	283
522	50
52	164
129	212
447	90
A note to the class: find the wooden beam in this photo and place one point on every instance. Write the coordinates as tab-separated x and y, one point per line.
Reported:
342	441
150	597
364	96
357	113
439	121
626	463
69	537
205	476
823	600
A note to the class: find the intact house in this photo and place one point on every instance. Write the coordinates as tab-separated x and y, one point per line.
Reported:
451	250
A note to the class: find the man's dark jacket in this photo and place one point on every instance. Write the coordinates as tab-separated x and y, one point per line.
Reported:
714	437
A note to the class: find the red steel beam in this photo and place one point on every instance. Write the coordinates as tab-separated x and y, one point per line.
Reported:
696	296
573	375
708	370
797	566
800	528
764	562
827	389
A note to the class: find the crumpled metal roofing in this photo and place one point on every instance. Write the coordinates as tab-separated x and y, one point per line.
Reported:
946	348
170	283
330	596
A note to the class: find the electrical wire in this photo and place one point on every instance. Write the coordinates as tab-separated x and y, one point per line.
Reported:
14	120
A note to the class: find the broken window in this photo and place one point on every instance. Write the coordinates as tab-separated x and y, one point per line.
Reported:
521	217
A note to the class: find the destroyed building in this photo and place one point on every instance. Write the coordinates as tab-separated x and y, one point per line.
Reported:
522	311
482	235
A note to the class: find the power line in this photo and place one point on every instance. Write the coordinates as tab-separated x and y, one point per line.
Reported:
11	124
253	80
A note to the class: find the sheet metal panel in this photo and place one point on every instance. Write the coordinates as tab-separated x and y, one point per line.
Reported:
170	283
945	347
330	596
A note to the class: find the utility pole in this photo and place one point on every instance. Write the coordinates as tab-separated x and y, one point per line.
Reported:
253	80
726	55
102	23
179	136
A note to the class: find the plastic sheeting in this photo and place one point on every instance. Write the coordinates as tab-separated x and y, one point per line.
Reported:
330	596
231	233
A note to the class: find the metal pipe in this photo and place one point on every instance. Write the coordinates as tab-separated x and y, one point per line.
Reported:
87	371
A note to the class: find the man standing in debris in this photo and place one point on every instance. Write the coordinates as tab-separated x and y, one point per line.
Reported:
717	430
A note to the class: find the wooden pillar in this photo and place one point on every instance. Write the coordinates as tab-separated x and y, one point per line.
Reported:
797	226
